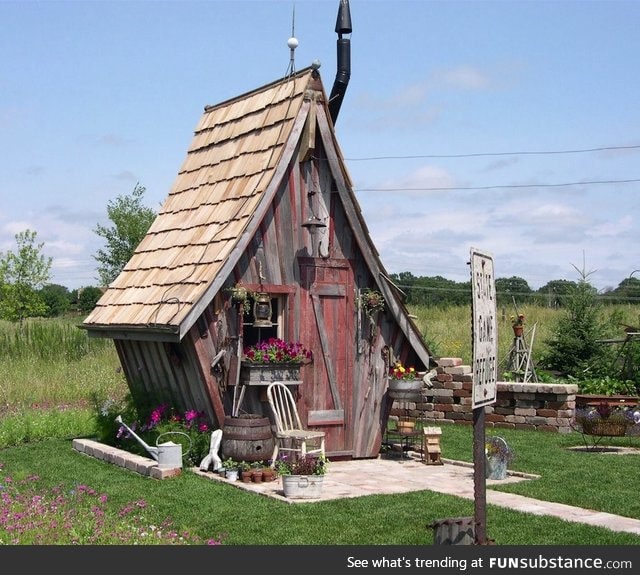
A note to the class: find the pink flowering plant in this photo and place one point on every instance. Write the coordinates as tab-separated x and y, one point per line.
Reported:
162	418
35	513
276	350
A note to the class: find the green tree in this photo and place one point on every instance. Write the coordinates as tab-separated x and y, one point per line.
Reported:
131	221
88	297
21	275
512	289
553	292
57	299
574	346
628	291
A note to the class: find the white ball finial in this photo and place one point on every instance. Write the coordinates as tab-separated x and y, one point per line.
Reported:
292	43
315	64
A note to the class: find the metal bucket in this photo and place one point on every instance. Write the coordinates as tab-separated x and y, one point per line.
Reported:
169	453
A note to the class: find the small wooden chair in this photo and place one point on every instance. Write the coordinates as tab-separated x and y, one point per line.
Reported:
290	435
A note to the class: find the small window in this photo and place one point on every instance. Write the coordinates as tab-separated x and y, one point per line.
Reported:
252	335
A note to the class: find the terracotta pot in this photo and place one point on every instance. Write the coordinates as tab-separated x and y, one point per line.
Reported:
518	330
268	474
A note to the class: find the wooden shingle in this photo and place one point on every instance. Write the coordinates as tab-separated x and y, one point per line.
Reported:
230	163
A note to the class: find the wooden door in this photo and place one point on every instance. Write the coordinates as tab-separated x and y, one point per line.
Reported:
327	328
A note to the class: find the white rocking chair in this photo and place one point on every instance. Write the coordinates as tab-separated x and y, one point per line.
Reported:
290	435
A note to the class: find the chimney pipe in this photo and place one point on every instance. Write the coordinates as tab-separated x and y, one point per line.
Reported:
343	73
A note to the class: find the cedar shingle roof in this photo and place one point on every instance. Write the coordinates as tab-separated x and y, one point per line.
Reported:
232	160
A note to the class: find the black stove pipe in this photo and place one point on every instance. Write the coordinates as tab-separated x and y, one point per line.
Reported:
343	73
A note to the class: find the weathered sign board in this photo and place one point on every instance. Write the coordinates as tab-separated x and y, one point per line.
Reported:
484	329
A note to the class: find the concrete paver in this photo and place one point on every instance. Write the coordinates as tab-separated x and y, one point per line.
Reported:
386	476
363	477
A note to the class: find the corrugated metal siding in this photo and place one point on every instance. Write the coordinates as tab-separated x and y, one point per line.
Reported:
231	161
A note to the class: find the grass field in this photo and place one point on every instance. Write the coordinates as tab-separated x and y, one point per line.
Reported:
50	376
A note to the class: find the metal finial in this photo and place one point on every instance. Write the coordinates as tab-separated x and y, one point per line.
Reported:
293	44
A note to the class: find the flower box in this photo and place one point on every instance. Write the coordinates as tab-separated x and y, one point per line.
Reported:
265	373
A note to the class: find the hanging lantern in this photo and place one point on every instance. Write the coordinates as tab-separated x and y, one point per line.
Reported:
262	310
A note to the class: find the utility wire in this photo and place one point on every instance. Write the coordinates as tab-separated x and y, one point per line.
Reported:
496	187
485	154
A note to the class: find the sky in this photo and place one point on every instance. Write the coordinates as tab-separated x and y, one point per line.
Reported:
509	127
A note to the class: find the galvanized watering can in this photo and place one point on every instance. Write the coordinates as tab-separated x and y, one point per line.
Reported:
168	454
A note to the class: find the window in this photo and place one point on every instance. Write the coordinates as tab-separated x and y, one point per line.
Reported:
252	335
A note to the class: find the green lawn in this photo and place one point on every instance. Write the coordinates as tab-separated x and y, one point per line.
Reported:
214	510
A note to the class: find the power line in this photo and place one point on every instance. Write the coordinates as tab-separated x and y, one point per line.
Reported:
503	186
488	154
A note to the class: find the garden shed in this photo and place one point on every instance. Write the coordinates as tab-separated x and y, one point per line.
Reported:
264	203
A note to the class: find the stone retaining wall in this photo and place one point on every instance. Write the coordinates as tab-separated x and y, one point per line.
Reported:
539	406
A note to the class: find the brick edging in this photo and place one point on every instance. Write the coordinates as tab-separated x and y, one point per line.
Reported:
132	461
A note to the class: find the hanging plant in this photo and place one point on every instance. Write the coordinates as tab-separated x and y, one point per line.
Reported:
240	295
371	301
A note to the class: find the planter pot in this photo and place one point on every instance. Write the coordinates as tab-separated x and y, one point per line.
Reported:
405	388
231	474
268	474
495	468
302	486
246	476
518	330
265	373
605	428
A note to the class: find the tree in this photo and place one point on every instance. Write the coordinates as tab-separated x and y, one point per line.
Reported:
88	297
131	221
574	346
512	289
21	274
57	299
553	292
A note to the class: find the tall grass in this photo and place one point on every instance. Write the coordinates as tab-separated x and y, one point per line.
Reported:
447	331
48	340
52	363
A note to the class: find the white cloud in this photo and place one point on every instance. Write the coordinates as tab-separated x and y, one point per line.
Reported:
612	229
464	77
419	182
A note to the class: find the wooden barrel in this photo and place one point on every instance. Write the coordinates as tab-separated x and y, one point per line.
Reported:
247	438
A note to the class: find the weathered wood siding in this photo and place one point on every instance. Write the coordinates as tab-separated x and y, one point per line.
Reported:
260	169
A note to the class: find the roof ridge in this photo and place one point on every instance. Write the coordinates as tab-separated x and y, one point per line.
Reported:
270	85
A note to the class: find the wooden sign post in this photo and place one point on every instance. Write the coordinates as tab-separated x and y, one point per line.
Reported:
484	332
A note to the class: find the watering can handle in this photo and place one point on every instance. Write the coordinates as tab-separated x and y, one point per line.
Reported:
177	433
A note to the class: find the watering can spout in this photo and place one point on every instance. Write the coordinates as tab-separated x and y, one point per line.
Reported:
153	451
